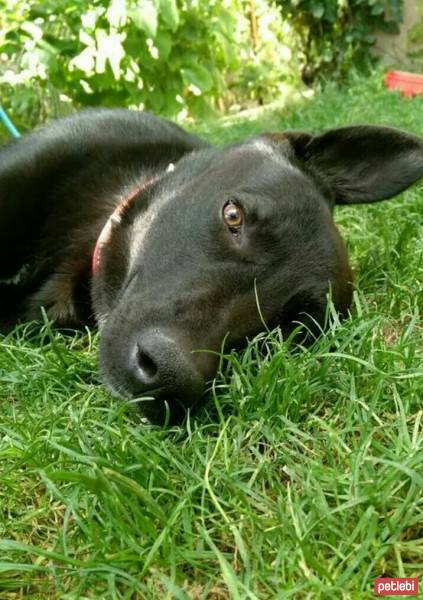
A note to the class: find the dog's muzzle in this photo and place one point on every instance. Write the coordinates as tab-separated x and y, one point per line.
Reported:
156	372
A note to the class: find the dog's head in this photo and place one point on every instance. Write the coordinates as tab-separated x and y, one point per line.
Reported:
230	239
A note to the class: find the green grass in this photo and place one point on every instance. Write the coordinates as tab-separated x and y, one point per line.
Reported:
301	478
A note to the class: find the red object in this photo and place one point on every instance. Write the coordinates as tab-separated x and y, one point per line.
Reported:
115	220
396	586
410	84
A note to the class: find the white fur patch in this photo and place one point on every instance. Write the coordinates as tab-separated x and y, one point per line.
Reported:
140	230
266	149
20	276
142	227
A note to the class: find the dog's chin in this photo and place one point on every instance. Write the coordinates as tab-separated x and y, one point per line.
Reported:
161	412
152	410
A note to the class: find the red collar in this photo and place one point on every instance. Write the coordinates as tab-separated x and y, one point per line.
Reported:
115	219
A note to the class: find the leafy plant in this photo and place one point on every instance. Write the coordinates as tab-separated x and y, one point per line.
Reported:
176	57
415	40
334	35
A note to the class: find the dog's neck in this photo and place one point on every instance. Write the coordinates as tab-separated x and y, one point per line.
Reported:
115	219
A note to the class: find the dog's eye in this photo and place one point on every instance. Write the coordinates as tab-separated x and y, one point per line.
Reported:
233	216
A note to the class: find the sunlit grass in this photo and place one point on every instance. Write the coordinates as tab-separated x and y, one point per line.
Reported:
301	477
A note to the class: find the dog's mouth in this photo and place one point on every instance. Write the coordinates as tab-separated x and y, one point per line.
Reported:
161	411
157	406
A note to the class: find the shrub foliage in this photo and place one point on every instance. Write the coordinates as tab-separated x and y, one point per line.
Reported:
170	56
334	35
176	57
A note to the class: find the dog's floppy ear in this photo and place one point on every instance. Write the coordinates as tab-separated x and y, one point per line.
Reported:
361	163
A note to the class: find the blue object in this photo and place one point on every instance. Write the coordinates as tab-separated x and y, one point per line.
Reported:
8	124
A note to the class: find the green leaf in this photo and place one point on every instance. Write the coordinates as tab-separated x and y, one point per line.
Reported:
198	76
318	10
170	14
378	9
163	42
156	100
144	16
32	30
227	23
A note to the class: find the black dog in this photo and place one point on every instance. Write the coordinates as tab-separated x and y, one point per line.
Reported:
174	246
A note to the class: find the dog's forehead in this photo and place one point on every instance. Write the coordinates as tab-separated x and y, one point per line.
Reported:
264	148
251	156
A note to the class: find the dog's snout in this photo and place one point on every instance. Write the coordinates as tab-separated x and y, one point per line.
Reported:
161	374
155	362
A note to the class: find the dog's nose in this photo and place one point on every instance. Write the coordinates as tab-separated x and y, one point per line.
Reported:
146	366
161	368
156	362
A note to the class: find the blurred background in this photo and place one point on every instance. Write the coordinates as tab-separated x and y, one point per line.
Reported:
192	59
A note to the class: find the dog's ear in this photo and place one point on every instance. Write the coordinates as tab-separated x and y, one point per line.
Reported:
361	163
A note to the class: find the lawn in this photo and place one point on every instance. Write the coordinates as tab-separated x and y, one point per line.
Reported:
301	478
